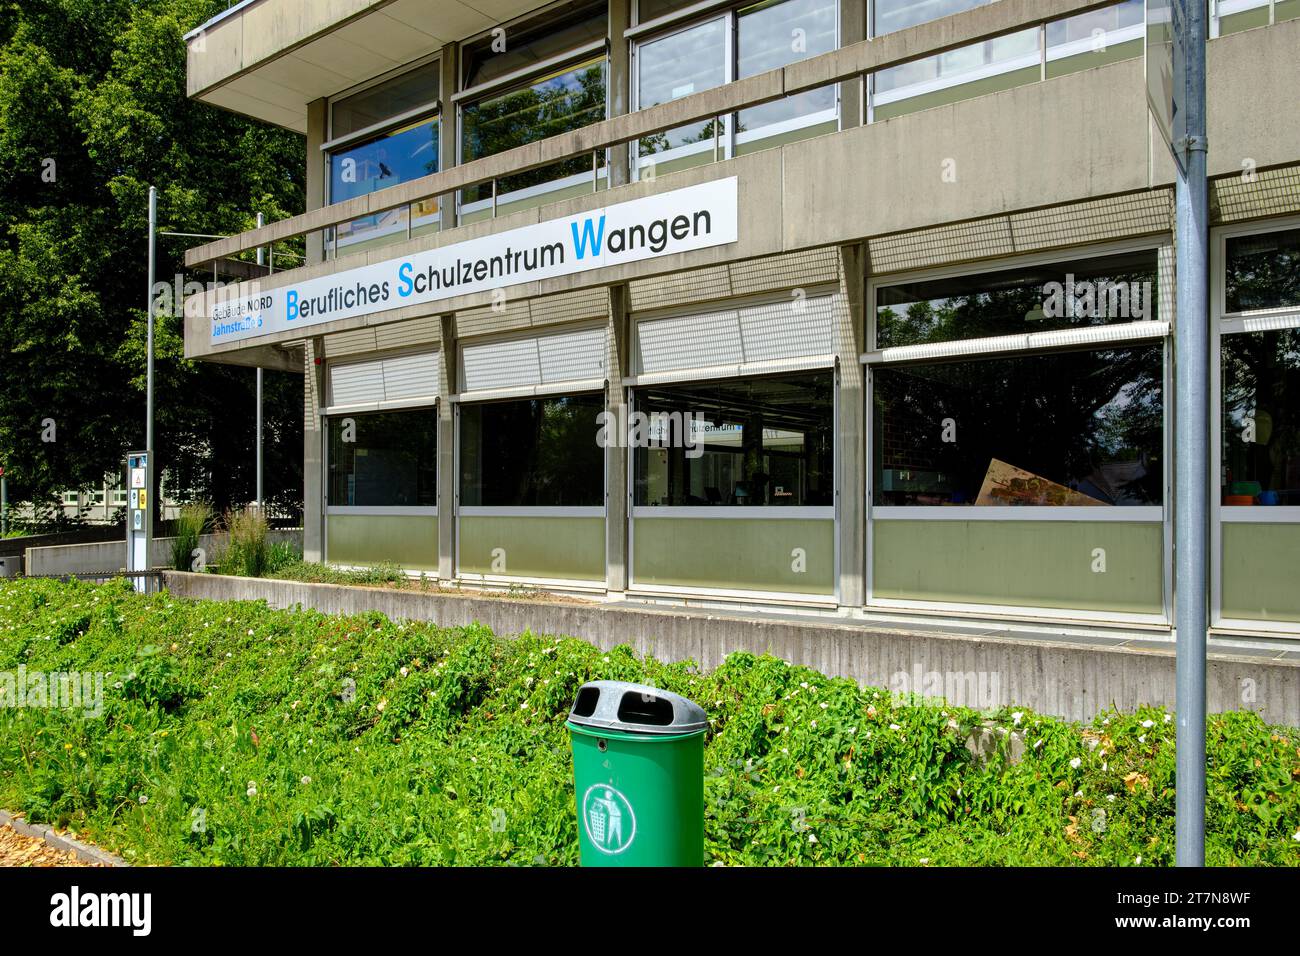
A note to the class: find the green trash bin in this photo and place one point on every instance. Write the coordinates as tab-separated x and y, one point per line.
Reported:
638	775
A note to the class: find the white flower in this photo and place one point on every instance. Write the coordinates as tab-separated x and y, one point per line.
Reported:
143	799
1296	835
1038	743
1017	717
812	838
803	684
404	672
1075	763
1078	793
924	859
1167	718
1142	738
1148	724
895	727
252	789
823	705
306	780
1138	860
812	724
1110	797
250	633
853	730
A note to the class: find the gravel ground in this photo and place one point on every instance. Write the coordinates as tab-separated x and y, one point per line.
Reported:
19	850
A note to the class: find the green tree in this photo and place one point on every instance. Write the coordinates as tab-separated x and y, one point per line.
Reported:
93	110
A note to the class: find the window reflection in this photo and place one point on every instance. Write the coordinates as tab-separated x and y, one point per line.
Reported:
383	459
1074	428
532	452
674	66
759	441
1262	271
1095	291
388	160
1261	418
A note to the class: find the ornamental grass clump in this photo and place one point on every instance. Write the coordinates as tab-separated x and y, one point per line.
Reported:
247	550
190	524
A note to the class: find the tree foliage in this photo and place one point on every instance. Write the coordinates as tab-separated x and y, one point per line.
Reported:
93	110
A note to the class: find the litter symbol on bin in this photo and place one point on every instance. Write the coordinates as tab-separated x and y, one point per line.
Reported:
609	819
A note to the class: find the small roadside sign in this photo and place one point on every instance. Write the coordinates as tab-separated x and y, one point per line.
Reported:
1165	50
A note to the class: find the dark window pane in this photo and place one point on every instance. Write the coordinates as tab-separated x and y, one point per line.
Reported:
551	105
404	93
758	441
1073	428
1261	418
386	459
520	47
1263	272
1059	295
532	452
385	161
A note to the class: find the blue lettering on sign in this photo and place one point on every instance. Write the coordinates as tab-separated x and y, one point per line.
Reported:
291	304
405	287
589	235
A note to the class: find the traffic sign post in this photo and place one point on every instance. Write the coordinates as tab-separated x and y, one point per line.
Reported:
1175	72
139	514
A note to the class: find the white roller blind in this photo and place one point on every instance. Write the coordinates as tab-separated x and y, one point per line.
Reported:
537	362
739	340
410	379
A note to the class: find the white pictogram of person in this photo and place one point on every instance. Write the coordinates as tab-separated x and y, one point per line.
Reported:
607	821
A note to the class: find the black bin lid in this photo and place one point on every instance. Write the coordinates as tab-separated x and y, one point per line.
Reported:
635	709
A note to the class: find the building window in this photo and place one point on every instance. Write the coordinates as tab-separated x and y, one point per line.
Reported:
384	459
1098	290
1261	418
386	135
515	108
1072	428
1062	46
740	442
719	49
532	452
1262	271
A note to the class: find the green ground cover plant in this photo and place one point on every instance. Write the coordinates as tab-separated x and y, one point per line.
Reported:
232	734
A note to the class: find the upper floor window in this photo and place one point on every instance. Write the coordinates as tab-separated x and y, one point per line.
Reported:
527	84
721	48
382	136
1262	271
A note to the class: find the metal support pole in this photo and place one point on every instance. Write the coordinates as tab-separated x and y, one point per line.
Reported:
153	228
1191	438
4	506
261	220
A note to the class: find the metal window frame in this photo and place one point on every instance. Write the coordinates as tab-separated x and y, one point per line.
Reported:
808	512
1162	244
1224	323
541	511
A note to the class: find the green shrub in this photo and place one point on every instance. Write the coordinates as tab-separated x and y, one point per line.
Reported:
191	522
248	736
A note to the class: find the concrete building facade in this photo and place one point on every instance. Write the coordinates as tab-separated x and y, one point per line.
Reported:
837	305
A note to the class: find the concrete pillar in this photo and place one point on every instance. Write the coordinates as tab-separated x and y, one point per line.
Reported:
853	27
313	448
447	476
317	130
851	430
617	365
448	133
619	87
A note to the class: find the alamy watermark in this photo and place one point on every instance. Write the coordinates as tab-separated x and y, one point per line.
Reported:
1100	299
55	690
978	690
626	429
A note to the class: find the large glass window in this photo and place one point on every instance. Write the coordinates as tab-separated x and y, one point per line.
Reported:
890	15
549	103
1262	271
1072	428
774	34
532	452
1261	418
564	100
1092	39
741	43
1094	291
385	459
758	441
403	152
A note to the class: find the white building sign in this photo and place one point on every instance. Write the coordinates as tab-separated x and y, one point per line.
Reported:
696	217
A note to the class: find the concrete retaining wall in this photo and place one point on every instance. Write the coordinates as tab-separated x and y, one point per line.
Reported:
1073	680
111	555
